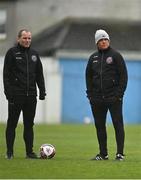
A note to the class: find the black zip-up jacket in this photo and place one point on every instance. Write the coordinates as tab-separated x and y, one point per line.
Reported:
22	72
106	75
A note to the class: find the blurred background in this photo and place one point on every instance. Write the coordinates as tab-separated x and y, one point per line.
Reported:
63	34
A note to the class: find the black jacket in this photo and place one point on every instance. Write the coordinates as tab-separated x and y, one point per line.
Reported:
22	72
106	75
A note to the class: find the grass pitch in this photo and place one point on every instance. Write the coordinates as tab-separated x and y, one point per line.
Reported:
75	145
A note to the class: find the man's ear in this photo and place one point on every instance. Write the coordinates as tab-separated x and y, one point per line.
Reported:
17	40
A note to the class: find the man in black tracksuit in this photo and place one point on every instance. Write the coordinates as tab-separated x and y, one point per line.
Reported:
21	73
106	81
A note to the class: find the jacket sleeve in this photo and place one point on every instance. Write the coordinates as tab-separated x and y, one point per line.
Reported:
88	77
123	76
40	80
7	73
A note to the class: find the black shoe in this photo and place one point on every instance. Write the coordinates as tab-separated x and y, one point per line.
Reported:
99	157
119	157
32	156
9	156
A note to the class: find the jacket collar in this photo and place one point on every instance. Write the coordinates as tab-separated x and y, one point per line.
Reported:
23	49
104	50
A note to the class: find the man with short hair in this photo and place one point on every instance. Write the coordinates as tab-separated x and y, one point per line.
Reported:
106	81
21	73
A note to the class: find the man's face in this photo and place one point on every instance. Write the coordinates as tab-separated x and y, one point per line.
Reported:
103	44
25	39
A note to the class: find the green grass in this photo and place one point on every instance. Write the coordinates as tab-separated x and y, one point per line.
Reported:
75	145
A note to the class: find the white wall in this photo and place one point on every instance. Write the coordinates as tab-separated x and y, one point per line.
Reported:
3	101
49	110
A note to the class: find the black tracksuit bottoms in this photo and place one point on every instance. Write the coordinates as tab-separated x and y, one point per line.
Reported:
99	111
26	104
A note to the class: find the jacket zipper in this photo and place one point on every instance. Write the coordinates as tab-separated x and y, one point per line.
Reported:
27	70
101	69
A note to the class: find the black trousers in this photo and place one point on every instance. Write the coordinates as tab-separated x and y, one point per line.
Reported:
26	104
99	111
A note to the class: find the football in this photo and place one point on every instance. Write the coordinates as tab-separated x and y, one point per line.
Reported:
47	151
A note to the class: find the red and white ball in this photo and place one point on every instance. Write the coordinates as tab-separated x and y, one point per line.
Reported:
47	151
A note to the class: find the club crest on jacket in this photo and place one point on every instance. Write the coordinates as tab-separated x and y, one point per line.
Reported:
109	60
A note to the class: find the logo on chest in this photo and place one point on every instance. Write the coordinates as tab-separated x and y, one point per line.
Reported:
18	58
109	60
34	58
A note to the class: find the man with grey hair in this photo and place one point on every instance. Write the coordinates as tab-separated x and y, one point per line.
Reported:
21	73
106	81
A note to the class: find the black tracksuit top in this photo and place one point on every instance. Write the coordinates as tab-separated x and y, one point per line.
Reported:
106	75
22	72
